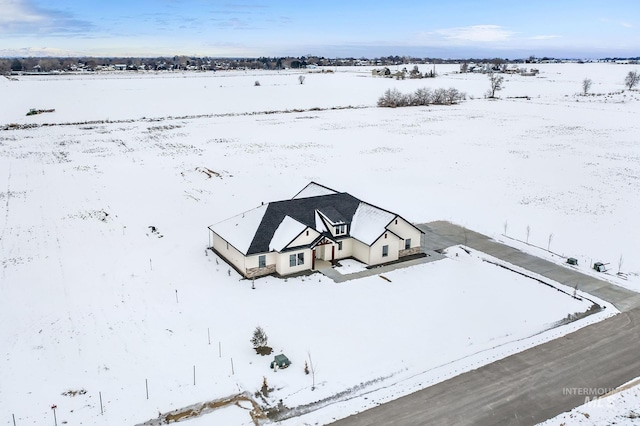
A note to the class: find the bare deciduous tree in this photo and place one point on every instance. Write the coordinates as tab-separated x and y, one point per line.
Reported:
620	261
632	79
415	72
586	86
496	84
301	79
313	371
422	96
393	98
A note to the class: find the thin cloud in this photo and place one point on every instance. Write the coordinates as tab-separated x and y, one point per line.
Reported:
234	24
237	16
476	33
614	22
244	6
36	52
24	17
239	9
544	37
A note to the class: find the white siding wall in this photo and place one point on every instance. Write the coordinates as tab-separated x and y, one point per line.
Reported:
304	239
347	249
230	254
405	230
360	251
392	241
253	260
282	264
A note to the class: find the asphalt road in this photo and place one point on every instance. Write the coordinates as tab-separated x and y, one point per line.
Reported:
534	385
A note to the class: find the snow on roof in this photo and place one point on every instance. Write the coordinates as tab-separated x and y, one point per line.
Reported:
369	223
313	190
288	229
320	226
239	230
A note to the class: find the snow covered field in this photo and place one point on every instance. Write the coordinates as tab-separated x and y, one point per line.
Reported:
92	300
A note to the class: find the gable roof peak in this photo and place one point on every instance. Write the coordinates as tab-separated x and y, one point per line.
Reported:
313	189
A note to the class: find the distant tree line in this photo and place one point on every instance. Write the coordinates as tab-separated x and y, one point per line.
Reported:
393	98
182	62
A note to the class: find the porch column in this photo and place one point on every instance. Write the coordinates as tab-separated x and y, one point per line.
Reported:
333	253
313	259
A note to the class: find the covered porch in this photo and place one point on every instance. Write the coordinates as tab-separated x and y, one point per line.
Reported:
323	253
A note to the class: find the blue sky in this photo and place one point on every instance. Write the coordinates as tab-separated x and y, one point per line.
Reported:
330	28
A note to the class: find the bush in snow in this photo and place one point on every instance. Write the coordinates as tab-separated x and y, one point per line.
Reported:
393	98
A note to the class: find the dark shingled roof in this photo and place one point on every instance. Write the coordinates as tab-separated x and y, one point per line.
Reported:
334	215
340	206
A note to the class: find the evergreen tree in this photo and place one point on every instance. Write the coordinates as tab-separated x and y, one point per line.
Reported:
259	338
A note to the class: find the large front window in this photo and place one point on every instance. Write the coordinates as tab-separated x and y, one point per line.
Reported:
296	259
385	251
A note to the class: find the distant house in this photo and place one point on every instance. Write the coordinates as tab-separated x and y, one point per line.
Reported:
382	72
531	73
318	225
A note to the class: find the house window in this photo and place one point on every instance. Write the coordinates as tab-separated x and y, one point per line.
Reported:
385	251
396	221
307	232
407	244
296	259
341	229
227	246
339	245
385	235
262	261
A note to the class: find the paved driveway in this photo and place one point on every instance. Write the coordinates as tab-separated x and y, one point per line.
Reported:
534	385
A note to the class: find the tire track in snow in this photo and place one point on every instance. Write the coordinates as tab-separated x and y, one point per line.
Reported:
66	307
6	221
